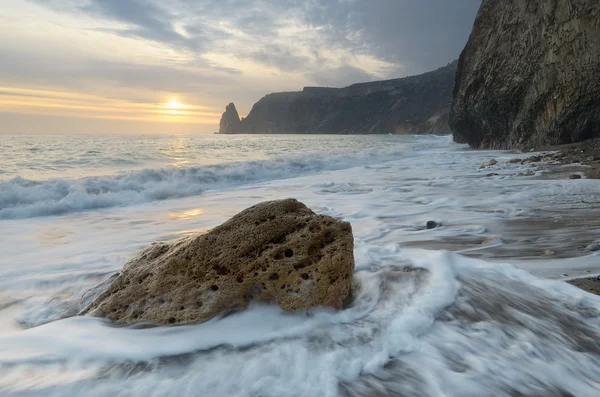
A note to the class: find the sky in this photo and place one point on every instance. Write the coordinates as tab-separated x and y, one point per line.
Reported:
171	66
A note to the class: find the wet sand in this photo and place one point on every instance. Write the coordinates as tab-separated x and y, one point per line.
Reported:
559	236
591	284
585	158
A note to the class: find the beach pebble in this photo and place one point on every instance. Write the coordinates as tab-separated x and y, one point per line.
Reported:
549	252
575	176
433	225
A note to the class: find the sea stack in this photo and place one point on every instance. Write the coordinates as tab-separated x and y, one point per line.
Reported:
529	75
230	121
277	252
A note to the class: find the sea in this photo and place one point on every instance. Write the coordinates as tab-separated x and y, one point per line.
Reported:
476	307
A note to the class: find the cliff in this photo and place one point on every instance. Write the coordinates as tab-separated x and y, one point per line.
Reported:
411	105
529	75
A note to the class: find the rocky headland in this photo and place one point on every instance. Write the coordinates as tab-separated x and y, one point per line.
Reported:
412	105
277	252
529	75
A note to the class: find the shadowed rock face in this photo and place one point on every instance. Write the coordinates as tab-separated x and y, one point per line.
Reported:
275	252
529	75
230	121
412	105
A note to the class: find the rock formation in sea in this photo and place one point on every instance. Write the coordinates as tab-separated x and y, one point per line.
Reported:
412	105
230	121
529	75
276	252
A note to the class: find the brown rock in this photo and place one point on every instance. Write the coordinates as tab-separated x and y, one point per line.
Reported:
529	75
514	161
276	252
574	176
488	163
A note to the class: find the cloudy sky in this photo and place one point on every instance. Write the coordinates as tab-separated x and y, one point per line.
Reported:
169	66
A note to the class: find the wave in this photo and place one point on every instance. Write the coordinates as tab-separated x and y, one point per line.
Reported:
24	198
421	322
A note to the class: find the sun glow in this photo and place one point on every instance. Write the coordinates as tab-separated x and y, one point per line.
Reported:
26	101
174	104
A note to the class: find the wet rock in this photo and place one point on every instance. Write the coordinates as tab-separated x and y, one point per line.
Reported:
433	225
277	252
514	161
488	163
492	174
534	159
575	176
593	247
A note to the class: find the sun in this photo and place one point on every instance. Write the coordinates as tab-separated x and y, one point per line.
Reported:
173	104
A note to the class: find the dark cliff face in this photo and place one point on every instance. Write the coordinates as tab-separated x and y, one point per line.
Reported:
529	75
230	121
411	105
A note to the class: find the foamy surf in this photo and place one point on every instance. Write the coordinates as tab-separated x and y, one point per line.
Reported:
439	324
26	198
423	322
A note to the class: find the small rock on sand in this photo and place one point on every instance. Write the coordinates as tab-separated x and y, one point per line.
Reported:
488	163
575	176
433	225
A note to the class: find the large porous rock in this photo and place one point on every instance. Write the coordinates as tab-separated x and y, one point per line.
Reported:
276	252
529	75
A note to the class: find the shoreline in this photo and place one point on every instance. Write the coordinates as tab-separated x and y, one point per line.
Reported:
585	159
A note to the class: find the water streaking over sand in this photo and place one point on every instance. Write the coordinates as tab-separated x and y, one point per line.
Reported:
424	321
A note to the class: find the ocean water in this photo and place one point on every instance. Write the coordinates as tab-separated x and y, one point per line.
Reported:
472	308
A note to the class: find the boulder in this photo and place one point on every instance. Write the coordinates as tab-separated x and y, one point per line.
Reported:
277	252
529	75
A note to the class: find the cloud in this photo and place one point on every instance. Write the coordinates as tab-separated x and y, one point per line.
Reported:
340	77
216	51
418	34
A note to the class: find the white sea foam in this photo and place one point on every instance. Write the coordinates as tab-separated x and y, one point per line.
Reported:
445	325
423	322
23	198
